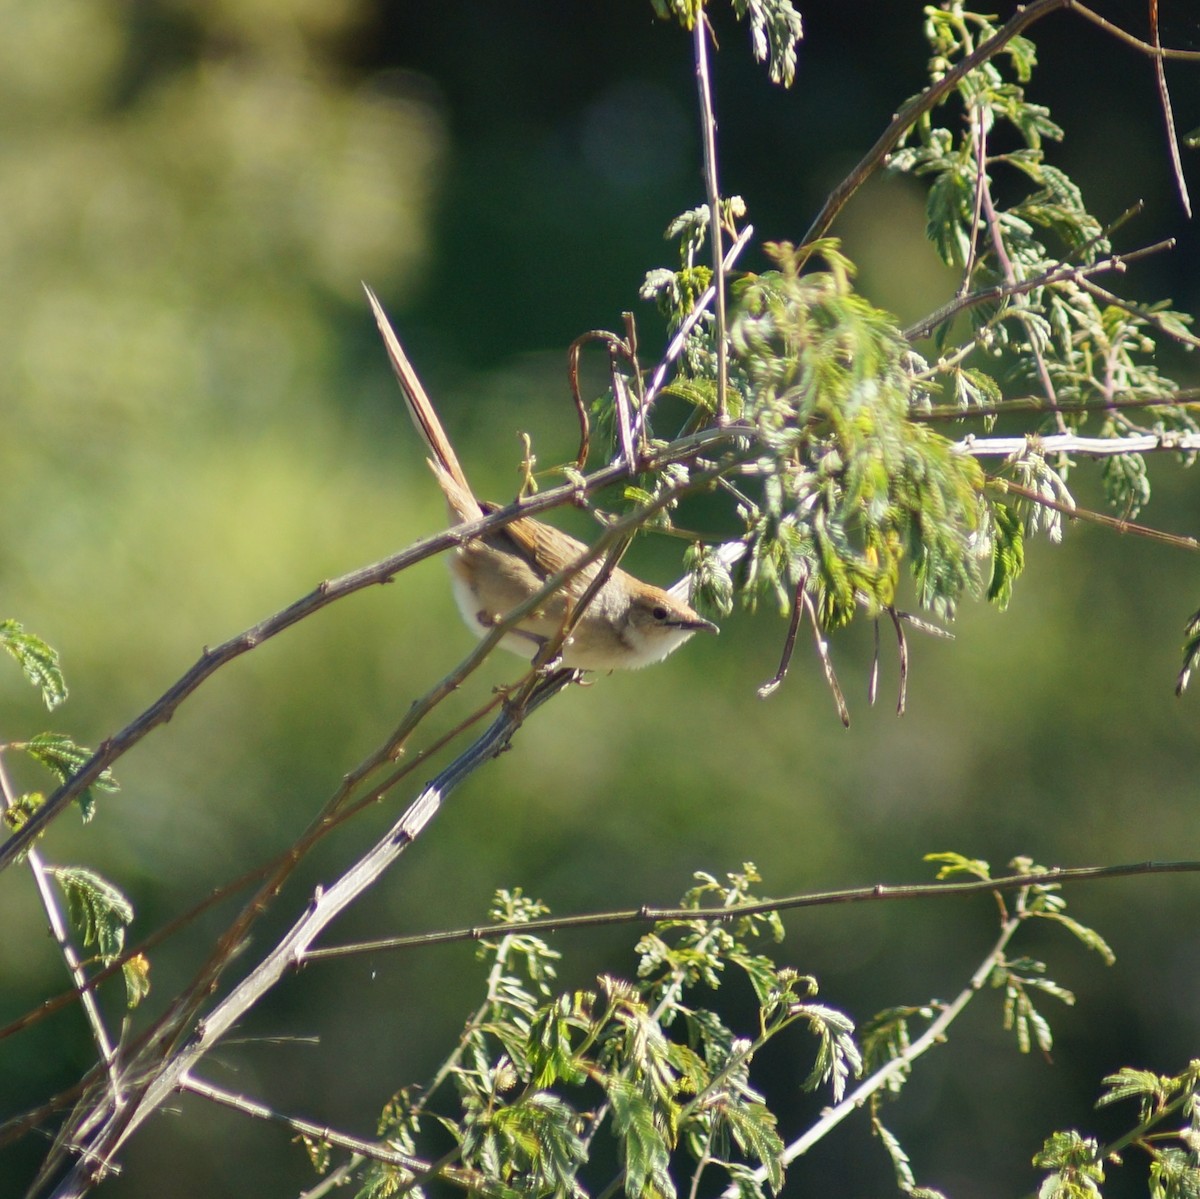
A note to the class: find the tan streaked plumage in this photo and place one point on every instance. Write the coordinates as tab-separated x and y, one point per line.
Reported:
628	623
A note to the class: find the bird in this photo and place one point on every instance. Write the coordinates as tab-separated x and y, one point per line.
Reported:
628	623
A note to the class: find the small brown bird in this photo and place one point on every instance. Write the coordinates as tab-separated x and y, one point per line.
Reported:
627	624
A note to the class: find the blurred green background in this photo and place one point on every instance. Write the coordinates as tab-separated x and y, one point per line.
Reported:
199	424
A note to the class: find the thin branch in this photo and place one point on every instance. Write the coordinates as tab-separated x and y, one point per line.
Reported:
789	642
105	1130
1065	272
1153	51
374	1150
873	676
826	661
363	1150
1185	397
574	350
802	604
1019	308
1164	96
624	420
62	938
708	139
327	592
902	651
1119	524
980	178
421	1171
1152	318
647	914
935	1034
928	100
1169	440
675	348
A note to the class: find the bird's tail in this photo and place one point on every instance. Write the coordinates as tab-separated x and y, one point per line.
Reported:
445	463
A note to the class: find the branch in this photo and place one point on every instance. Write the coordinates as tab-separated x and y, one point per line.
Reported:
652	915
928	100
375	1150
107	1129
1184	397
380	1151
1073	443
935	1034
675	348
1066	272
58	930
1098	518
708	140
325	593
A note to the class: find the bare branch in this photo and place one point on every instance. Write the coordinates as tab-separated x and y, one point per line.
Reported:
708	139
328	592
62	938
104	1128
878	892
935	1034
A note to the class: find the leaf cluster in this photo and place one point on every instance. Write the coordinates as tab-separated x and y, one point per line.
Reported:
842	484
853	487
775	28
98	911
1167	1132
538	1076
1019	230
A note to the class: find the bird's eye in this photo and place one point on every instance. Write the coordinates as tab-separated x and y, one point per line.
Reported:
659	613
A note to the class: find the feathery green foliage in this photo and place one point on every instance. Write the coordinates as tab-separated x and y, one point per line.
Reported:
653	1064
37	660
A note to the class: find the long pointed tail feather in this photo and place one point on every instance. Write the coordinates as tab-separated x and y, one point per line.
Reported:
447	468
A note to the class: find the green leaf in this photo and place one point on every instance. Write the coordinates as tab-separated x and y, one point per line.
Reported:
136	973
647	1159
753	1127
852	487
541	1148
974	388
763	976
1126	484
744	1181
684	11
63	758
1008	554
98	911
37	660
1088	936
383	1181
775	29
21	808
901	1165
955	863
1174	1175
838	1056
1152	1091
550	1052
712	584
1077	1167
1191	653
948	212
885	1038
320	1152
